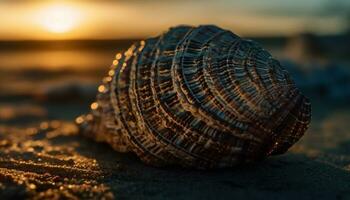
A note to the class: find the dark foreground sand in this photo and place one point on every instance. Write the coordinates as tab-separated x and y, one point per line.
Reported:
49	160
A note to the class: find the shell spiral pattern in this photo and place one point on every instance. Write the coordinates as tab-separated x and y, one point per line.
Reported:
198	97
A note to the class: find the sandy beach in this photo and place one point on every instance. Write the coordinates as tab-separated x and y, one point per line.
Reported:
48	159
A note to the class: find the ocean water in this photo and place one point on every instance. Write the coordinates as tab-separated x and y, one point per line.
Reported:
29	69
51	59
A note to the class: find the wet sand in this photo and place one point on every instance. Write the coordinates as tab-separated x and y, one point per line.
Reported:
43	159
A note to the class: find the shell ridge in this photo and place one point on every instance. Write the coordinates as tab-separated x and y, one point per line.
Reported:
185	133
136	138
162	137
198	97
207	116
162	117
241	114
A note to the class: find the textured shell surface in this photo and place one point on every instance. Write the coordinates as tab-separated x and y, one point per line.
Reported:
199	97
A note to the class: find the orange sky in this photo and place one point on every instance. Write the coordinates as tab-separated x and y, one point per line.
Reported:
136	18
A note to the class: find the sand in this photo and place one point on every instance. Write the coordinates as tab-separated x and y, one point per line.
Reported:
48	159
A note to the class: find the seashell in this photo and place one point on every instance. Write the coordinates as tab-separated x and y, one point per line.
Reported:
198	97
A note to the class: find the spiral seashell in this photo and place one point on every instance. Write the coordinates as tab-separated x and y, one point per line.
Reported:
198	97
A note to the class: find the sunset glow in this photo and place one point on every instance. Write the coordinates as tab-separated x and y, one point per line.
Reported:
58	18
63	19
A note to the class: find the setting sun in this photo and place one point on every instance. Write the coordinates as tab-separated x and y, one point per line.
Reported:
59	18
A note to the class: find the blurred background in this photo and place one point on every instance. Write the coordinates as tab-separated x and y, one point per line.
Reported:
53	54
